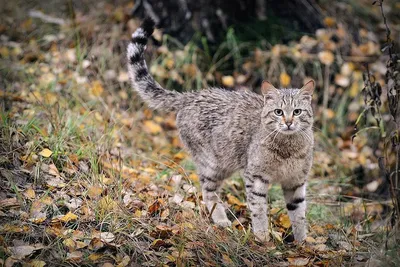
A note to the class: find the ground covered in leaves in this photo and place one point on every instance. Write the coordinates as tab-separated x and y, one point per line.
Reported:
90	176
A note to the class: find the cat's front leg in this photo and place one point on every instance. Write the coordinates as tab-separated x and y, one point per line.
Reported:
256	192
295	198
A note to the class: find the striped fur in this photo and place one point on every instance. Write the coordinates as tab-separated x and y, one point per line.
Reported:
149	90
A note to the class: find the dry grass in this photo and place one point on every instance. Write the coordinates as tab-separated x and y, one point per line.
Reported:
119	189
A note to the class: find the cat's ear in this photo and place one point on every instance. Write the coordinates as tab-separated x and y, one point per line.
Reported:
308	88
267	89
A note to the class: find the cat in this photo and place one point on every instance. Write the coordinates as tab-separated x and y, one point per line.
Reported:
267	137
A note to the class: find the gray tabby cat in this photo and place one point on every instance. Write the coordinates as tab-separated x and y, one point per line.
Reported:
269	138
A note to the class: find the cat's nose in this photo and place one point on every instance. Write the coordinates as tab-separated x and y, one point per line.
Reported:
288	123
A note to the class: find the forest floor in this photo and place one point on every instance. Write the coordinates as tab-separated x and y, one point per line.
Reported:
91	177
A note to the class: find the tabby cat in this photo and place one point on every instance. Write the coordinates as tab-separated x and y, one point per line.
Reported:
268	137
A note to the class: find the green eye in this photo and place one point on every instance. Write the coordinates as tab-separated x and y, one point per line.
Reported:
297	112
278	112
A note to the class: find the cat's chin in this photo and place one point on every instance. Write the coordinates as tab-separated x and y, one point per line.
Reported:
289	131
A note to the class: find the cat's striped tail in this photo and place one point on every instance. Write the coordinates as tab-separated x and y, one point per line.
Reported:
142	81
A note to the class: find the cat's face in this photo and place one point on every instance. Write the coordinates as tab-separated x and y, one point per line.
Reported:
287	111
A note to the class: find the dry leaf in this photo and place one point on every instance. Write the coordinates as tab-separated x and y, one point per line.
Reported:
284	220
284	78
228	81
20	252
36	263
70	244
152	127
30	193
106	237
97	88
69	217
95	191
46	153
326	57
298	261
329	22
74	256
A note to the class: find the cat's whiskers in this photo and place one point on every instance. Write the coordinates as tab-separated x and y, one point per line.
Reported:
279	130
262	142
305	135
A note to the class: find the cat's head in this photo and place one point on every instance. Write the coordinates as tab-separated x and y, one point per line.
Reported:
287	111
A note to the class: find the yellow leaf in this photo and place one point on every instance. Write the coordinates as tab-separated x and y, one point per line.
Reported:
37	263
46	153
329	22
284	220
284	79
70	244
4	52
228	81
326	57
194	177
330	113
274	211
96	89
95	191
95	256
30	193
152	127
235	201
96	244
50	98
69	217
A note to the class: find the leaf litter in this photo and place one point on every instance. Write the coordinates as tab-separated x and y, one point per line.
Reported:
107	182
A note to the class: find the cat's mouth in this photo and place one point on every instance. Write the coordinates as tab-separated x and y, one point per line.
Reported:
289	130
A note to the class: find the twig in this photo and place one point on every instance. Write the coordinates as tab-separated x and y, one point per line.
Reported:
46	18
325	100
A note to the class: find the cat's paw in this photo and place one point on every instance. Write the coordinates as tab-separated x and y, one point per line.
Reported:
299	238
262	236
223	222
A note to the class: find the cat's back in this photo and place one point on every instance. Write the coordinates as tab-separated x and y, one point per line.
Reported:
221	100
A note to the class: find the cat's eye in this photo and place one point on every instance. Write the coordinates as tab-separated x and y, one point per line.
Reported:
278	112
297	112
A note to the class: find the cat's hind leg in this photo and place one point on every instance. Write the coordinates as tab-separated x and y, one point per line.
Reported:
210	184
295	198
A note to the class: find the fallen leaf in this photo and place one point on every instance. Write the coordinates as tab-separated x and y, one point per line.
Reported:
30	193
329	22
228	81
151	127
20	252
106	237
36	263
46	153
284	220
70	244
326	57
95	191
284	78
74	256
298	261
68	217
97	88
9	203
96	244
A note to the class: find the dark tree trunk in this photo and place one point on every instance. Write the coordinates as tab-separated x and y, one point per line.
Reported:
182	18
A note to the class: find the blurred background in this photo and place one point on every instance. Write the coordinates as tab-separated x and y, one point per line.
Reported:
73	129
